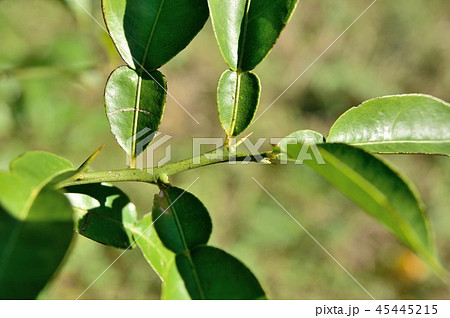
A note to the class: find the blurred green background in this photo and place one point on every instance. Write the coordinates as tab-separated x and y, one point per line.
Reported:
54	61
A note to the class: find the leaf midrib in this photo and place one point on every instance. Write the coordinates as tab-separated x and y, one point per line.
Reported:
36	190
150	37
382	200
241	45
186	247
139	85
137	103
410	141
236	103
241	50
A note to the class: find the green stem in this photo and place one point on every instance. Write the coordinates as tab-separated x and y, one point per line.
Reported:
160	174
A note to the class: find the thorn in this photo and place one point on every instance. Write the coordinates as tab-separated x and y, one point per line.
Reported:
86	163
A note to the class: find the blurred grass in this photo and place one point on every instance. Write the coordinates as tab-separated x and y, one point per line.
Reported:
54	61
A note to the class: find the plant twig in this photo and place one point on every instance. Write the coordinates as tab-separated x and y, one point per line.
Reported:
160	174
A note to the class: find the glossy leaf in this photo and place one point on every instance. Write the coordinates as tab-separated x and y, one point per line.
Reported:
173	287
246	30
298	138
156	254
31	172
35	224
134	107
32	247
210	273
379	190
396	124
150	33
160	259
181	220
39	168
190	269
237	98
103	213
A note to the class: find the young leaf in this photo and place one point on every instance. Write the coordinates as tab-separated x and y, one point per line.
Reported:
210	273
181	220
173	287
103	213
135	106
150	33
246	30
156	254
237	100
160	259
379	190
32	247
396	124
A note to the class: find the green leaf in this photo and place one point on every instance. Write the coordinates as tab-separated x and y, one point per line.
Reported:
173	287
134	107
35	224
237	99
396	124
379	190
206	272
210	273
246	30
31	172
160	259
299	138
181	220
150	33
39	167
156	254
33	247
103	213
